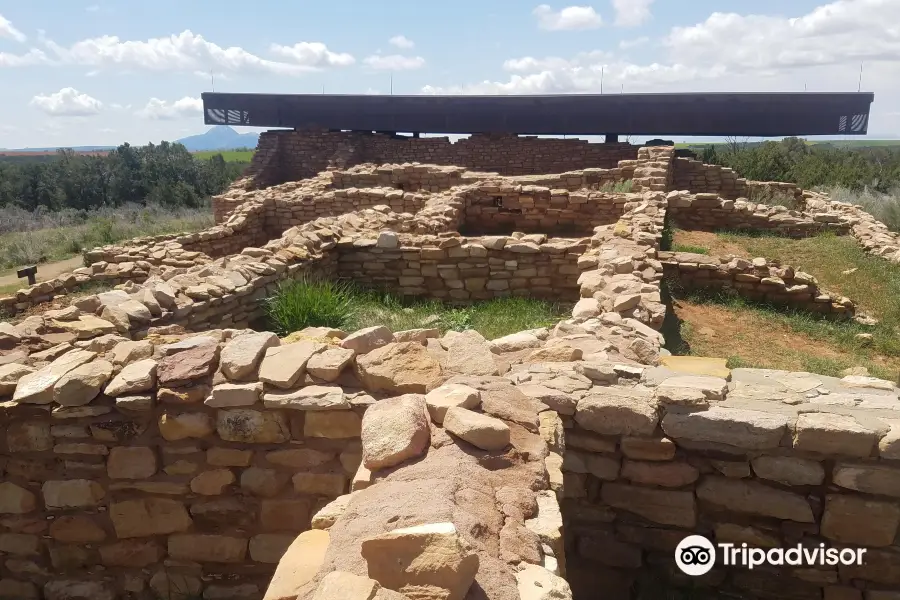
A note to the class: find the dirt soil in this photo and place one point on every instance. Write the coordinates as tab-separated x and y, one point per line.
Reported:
720	332
707	239
44	272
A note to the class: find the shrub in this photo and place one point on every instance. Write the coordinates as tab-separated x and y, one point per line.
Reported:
309	302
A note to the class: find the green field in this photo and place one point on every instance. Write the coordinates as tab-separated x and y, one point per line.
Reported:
228	155
860	143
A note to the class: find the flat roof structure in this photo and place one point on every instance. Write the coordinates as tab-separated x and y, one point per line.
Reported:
699	114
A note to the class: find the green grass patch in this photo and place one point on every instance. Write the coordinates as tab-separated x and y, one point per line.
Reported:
619	187
689	248
313	303
237	156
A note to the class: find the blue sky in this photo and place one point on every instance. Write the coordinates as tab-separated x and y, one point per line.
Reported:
79	72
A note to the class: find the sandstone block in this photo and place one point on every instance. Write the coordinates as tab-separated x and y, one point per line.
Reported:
135	554
660	506
29	436
860	521
330	485
479	430
148	516
404	367
265	483
870	479
329	364
284	366
181	426
653	448
339	424
299	458
789	470
19	590
468	353
285	515
242	354
394	430
450	395
15	500
20	544
311	397
10	375
299	565
207	548
555	400
251	426
183	367
602	467
37	387
331	512
664	474
67	589
618	411
212	483
833	434
229	457
127	352
72	493
432	561
171	585
366	340
269	547
741	428
754	498
340	585
82	384
131	462
76	529
133	379
227	395
191	394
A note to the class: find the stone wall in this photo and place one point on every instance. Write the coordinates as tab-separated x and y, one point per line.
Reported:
460	269
757	279
710	212
692	175
291	155
767	458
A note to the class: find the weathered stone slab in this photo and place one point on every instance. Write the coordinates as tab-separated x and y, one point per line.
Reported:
242	354
751	497
189	365
312	397
862	521
833	434
479	430
148	516
207	548
618	411
228	395
440	399
252	426
868	478
299	565
37	387
789	470
133	379
284	366
394	430
401	367
330	363
366	340
748	429
660	506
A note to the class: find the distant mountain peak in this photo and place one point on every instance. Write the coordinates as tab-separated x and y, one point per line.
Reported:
219	137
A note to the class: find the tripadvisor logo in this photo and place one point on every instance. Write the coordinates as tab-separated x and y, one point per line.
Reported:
696	555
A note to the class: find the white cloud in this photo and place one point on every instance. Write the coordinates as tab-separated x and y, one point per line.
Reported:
627	44
157	109
631	13
313	55
8	31
67	102
401	41
569	18
184	52
394	62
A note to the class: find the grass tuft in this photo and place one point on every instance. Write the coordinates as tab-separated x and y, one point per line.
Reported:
311	303
689	248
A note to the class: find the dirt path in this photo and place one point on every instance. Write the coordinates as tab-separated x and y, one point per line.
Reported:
44	272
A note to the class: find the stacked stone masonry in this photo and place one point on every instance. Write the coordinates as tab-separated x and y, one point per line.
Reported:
139	460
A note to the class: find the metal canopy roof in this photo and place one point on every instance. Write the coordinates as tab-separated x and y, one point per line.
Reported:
714	114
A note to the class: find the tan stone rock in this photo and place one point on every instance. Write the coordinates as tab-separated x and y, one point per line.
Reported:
72	493
269	547
67	589
468	353
136	554
330	485
133	378
207	548
37	387
284	366
366	340
329	364
241	355
555	400
181	426
660	506
263	482
731	426
664	474
338	424
555	352
299	565
29	436
618	411
212	483
20	544
860	521
868	478
285	515
127	352
252	426
331	512
537	583
420	336
244	591
449	395
82	384
394	430
743	534
191	394
10	374
431	561
340	585
229	457
299	458
18	590
76	529
170	585
311	398
403	368
833	434
605	468
752	497
789	470
226	395
148	516
654	448
479	430
131	462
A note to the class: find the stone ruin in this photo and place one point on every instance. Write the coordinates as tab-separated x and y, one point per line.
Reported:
155	446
